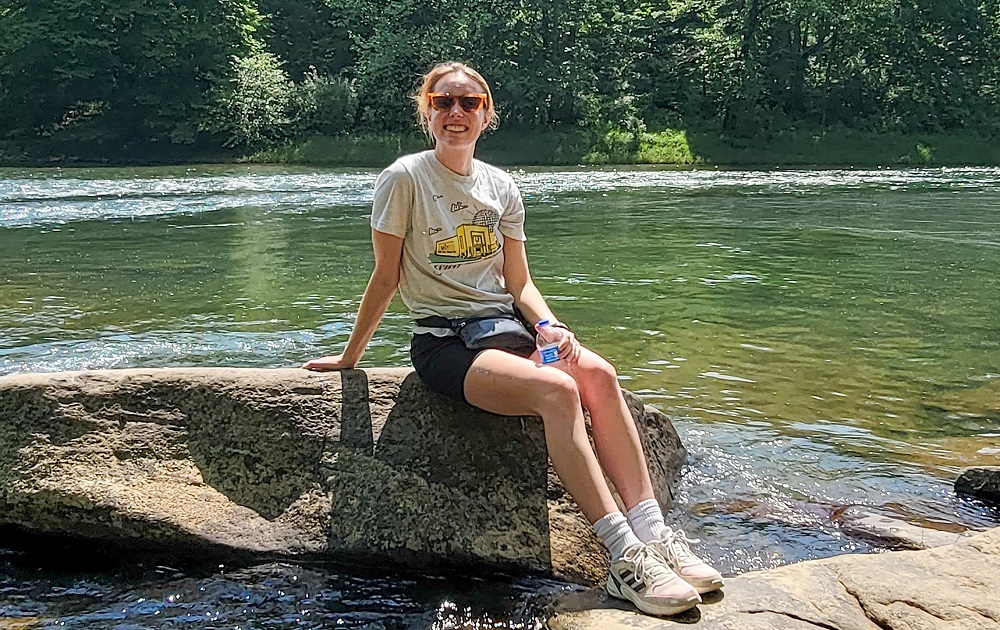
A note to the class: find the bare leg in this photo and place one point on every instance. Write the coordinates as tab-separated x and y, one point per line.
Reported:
615	435
509	385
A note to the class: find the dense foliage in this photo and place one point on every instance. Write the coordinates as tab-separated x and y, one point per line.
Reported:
248	74
122	72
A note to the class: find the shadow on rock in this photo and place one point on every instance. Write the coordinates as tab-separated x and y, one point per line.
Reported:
252	449
484	475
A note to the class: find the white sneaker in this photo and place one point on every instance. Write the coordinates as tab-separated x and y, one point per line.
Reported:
643	578
675	548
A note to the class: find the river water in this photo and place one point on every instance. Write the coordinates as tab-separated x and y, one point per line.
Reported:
823	338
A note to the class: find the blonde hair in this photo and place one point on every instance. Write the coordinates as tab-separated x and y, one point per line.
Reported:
423	101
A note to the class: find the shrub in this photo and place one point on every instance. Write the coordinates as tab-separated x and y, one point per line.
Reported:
925	152
669	146
603	112
253	109
323	105
620	146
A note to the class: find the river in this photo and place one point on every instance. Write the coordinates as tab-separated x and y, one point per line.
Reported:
822	338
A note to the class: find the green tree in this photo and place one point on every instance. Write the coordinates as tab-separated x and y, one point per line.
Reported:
940	61
154	72
127	71
550	61
756	65
307	34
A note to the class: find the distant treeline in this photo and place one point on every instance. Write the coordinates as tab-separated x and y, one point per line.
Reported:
107	78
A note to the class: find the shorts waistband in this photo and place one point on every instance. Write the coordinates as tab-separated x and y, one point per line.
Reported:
434	321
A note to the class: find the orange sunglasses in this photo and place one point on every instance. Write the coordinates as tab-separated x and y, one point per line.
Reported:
468	102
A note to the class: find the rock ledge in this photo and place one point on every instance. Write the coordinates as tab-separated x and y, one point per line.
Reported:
954	587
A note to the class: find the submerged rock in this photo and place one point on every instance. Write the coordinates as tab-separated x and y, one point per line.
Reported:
893	533
363	465
947	588
980	482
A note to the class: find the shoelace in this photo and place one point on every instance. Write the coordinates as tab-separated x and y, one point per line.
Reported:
677	546
637	557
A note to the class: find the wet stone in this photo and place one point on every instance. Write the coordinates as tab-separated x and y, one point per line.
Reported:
980	482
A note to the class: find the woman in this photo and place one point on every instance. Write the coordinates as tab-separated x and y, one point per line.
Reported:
448	234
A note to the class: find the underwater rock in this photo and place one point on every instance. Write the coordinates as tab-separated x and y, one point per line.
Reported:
980	482
953	587
860	522
361	465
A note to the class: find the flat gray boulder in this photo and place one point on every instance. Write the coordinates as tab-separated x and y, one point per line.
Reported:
980	482
955	587
363	465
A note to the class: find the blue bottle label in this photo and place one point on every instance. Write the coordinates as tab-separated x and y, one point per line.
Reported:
549	353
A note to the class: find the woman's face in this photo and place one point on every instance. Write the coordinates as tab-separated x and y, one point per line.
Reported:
456	128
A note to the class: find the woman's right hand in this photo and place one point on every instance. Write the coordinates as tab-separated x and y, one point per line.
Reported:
329	364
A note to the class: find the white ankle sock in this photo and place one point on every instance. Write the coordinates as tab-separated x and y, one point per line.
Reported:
646	520
615	533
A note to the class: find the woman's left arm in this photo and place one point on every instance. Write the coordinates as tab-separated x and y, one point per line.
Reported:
528	298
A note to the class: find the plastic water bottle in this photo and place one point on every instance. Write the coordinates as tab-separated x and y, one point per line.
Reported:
547	341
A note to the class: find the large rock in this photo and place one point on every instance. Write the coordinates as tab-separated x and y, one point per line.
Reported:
954	587
362	464
980	482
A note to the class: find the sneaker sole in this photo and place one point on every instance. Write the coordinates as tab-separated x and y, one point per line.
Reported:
706	587
652	609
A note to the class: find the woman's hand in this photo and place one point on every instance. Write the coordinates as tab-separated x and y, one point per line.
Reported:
569	347
329	364
378	294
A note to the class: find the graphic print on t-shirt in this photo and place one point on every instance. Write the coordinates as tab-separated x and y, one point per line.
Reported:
472	241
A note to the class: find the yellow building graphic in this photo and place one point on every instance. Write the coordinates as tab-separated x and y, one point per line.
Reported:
471	242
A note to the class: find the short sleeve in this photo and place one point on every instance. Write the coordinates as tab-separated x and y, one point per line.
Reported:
393	202
512	221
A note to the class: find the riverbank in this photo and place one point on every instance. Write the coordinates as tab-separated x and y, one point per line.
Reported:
562	147
569	146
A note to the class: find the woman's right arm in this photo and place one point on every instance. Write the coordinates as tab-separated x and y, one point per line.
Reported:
374	302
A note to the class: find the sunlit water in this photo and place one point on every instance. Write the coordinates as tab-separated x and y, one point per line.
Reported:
822	339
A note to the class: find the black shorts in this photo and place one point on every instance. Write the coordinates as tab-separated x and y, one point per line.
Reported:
442	363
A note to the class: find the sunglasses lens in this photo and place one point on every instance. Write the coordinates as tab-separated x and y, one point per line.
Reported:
442	103
471	103
468	102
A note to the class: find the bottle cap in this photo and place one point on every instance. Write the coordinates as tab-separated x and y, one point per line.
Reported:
542	322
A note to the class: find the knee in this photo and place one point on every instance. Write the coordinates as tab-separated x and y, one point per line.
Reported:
599	375
556	393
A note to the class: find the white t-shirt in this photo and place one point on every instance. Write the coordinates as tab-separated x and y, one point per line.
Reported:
454	227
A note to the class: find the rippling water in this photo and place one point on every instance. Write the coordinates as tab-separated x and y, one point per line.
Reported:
823	337
273	595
